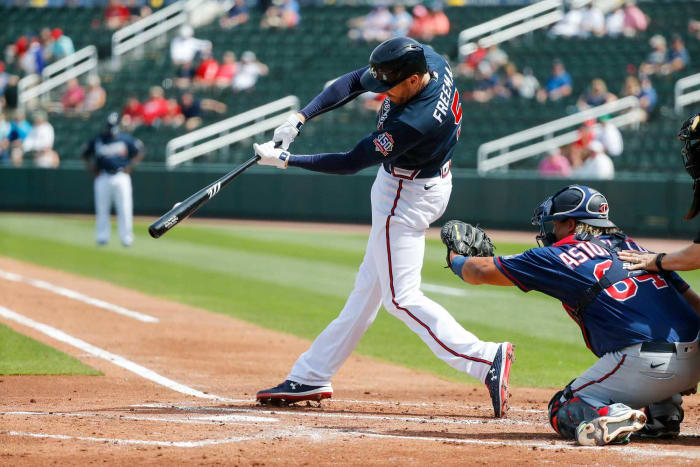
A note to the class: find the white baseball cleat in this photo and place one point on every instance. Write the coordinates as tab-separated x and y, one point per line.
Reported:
614	428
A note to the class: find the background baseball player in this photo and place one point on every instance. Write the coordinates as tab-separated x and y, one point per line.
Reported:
417	129
643	327
110	157
688	258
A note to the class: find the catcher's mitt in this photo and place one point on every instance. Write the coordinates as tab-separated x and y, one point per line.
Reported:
465	239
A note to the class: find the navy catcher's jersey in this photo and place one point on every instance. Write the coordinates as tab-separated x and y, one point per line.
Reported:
112	154
641	308
422	133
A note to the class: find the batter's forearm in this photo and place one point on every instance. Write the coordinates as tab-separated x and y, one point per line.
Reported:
342	91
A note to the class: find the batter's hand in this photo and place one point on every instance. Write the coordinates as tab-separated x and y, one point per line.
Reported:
285	133
638	260
270	155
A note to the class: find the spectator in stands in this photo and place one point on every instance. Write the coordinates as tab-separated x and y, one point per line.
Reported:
530	85
592	21
281	14
184	75
206	71
486	84
512	81
558	85
62	45
608	134
173	116
586	134
657	56
647	101
556	164
471	62
19	129
33	59
73	96
635	19
155	108
192	109
375	26
401	21
116	14
227	70
40	142
185	47
496	57
694	28
678	57
237	15
4	78
429	22
138	10
95	96
615	22
4	140
597	94
132	114
47	42
10	95
596	165
569	25
249	71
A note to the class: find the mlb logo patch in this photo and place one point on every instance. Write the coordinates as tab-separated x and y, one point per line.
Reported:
384	143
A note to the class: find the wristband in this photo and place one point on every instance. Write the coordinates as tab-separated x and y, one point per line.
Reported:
658	260
457	264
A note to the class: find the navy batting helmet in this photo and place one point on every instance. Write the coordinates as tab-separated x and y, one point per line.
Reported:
573	202
393	61
112	124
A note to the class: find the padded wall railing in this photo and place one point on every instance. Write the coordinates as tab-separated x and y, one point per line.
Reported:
56	74
682	97
542	138
232	130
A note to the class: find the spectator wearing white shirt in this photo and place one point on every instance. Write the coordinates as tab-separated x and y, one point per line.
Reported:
592	22
185	46
615	22
40	142
596	164
249	70
569	25
608	134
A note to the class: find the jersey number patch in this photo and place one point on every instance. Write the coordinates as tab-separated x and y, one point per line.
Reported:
627	288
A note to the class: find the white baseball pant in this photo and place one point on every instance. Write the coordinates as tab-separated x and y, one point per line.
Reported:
114	188
402	210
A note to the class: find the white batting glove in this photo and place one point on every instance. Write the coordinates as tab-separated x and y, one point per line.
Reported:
270	155
285	133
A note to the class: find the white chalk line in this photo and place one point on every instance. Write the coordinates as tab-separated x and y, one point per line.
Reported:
143	442
196	420
113	358
10	276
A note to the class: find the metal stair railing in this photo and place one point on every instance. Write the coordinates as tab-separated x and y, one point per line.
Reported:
229	131
56	74
627	111
151	27
513	24
683	98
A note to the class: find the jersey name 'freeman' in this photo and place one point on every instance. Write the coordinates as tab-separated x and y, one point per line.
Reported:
443	103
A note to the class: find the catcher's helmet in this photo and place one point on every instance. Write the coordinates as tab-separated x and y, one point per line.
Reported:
393	61
573	202
689	134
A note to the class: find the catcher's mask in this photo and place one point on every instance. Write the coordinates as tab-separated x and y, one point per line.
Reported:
690	136
573	202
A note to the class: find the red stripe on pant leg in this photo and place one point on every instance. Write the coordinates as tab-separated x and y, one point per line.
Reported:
604	377
393	294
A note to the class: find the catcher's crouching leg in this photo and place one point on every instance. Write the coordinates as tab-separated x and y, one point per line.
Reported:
566	412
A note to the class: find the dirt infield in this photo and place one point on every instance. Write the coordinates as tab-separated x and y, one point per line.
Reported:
179	388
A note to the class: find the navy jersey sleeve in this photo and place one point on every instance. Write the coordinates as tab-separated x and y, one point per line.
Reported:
535	269
677	282
383	145
88	149
135	147
340	92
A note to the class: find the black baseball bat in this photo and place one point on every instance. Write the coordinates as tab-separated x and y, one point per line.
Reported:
186	208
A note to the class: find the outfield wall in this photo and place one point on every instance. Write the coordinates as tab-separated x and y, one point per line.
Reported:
642	205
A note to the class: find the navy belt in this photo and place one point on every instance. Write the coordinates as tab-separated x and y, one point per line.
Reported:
410	174
658	347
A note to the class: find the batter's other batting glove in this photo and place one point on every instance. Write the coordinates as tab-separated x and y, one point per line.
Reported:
270	155
285	133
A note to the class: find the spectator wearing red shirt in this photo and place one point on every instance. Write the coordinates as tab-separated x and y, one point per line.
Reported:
207	70
174	116
116	14
73	96
227	70
132	114
155	108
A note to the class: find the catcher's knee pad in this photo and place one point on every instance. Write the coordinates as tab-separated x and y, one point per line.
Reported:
567	412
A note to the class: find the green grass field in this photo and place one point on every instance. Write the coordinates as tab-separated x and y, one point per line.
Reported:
20	355
296	282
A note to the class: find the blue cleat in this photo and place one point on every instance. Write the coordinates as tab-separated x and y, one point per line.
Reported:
290	392
498	377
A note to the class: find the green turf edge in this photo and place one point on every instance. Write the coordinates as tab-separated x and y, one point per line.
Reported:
22	355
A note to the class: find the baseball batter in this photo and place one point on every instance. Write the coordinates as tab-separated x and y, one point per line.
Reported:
416	131
110	157
643	327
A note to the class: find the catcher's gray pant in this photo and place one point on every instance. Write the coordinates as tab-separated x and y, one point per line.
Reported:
641	375
402	210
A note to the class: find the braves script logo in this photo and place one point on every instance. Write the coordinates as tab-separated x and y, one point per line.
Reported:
603	209
213	190
170	222
384	143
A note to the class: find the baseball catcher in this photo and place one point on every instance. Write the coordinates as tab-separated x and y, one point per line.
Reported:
688	258
642	326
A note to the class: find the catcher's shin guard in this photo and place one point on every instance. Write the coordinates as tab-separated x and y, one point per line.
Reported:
567	412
